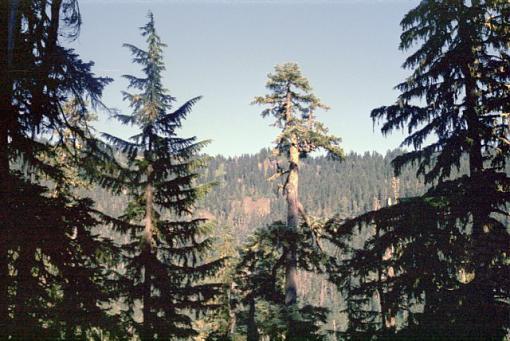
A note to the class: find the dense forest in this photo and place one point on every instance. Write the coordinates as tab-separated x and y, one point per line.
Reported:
149	238
244	199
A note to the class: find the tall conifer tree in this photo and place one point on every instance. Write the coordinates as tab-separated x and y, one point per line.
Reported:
292	104
31	108
166	255
456	97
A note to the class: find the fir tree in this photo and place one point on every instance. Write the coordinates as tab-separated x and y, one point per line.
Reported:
166	264
31	110
293	105
61	289
455	234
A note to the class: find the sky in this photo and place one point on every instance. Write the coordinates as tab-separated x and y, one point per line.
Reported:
224	49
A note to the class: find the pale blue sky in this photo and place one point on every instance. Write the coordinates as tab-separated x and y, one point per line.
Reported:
224	50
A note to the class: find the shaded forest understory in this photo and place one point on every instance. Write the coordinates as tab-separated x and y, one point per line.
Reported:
244	200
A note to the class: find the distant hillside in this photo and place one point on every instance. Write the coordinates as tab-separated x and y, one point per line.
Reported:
244	199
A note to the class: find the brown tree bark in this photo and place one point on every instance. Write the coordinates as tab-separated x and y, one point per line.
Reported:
148	240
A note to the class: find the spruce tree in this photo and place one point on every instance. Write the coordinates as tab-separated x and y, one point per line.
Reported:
166	267
293	105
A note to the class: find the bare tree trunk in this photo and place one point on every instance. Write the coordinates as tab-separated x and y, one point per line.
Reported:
146	334
292	225
231	313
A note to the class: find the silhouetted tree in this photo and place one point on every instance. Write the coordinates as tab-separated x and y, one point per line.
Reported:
449	247
31	111
260	282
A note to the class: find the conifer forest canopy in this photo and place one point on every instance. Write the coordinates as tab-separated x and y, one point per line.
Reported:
108	235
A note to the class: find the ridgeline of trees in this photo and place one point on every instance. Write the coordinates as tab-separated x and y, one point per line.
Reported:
147	238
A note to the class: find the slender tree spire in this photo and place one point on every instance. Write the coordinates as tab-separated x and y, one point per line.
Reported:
166	256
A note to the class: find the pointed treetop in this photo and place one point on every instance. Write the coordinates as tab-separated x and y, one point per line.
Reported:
153	100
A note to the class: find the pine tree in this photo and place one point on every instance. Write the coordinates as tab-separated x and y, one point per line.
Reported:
166	264
455	234
293	105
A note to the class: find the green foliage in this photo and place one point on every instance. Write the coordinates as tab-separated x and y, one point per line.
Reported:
435	265
57	74
219	324
461	72
166	266
53	277
62	286
260	281
293	105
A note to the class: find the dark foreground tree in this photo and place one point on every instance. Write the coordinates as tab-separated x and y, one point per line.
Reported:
48	261
449	247
165	264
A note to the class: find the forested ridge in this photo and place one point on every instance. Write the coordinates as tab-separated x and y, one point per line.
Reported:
244	199
149	238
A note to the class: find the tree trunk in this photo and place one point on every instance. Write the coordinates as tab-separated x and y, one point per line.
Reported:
148	243
252	333
231	313
6	25
146	334
291	191
473	122
480	249
292	225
